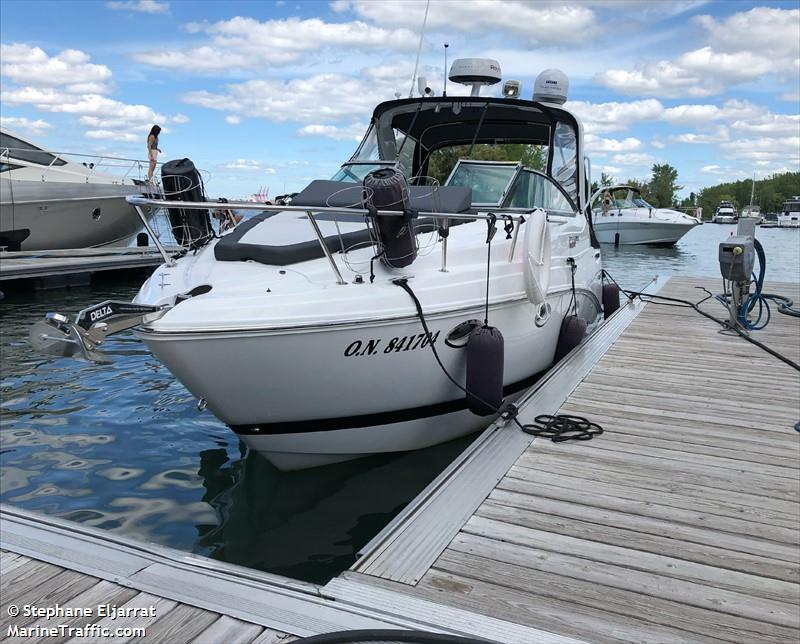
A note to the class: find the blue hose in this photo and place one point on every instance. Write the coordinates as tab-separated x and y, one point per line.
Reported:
756	298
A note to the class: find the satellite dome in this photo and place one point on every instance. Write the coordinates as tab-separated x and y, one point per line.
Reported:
551	86
475	72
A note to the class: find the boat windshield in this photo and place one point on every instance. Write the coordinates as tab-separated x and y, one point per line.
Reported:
791	206
355	171
620	199
367	157
13	148
489	181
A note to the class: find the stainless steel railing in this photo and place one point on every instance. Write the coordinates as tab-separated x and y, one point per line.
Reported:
140	202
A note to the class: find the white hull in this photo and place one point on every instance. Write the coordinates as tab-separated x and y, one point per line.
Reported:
53	215
789	221
282	390
619	230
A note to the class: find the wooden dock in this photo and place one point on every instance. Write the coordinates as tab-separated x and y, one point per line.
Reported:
58	267
681	523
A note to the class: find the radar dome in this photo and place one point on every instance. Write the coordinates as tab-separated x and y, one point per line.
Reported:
475	72
551	86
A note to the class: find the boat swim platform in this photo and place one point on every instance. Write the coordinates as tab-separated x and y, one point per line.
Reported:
56	268
680	523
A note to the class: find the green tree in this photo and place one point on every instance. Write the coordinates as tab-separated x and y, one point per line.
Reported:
664	185
606	180
443	160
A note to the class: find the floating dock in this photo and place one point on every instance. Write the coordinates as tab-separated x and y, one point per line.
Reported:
680	523
55	268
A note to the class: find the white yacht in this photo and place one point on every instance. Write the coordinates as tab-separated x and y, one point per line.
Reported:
310	329
622	216
48	201
789	217
725	213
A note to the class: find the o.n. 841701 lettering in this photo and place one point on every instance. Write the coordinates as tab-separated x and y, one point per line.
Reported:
373	347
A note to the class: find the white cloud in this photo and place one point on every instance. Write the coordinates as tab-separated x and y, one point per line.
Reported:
143	6
610	170
353	132
323	97
113	135
770	125
68	83
600	146
717	134
107	118
232	119
246	43
69	70
776	149
773	32
599	118
743	47
701	114
558	24
634	158
21	123
243	164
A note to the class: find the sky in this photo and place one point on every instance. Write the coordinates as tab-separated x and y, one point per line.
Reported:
276	93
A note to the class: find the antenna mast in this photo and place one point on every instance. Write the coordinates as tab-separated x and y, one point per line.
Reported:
419	48
444	91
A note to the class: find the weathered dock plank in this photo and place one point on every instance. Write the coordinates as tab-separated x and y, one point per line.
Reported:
680	523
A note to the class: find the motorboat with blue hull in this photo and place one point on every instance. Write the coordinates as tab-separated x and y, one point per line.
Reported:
310	329
622	216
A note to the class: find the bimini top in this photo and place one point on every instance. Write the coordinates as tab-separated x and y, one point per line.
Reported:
409	130
457	120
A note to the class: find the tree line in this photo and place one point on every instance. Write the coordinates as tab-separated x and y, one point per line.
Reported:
662	189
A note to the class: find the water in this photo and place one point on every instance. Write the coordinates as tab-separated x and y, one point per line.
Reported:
124	448
696	255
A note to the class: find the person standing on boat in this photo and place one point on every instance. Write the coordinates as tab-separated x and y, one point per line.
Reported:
152	150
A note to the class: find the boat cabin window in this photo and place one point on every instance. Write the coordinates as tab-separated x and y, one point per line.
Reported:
368	148
488	180
355	171
535	190
442	160
565	159
24	151
791	206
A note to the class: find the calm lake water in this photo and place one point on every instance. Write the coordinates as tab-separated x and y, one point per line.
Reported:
124	447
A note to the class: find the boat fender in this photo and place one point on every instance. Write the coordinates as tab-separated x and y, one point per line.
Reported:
610	299
182	182
485	354
387	189
573	330
536	270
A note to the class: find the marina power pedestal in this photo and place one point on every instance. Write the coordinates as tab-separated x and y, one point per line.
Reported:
737	256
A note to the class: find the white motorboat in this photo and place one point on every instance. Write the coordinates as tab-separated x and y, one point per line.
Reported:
725	213
789	217
299	329
622	216
48	201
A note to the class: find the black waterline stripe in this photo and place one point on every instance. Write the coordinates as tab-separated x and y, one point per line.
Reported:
370	420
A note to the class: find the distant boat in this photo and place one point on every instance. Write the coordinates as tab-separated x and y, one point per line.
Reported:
752	210
626	218
789	217
48	202
725	213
